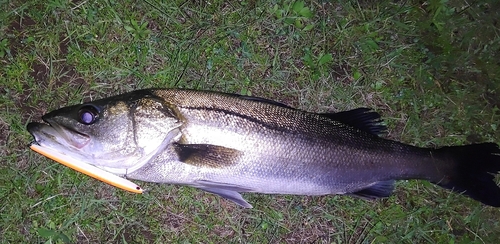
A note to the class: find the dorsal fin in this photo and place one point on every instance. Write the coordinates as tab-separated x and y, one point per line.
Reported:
263	100
364	119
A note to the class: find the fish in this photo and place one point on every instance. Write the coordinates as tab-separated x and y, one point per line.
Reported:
228	144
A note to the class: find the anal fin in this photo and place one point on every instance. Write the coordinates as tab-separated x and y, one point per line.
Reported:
377	190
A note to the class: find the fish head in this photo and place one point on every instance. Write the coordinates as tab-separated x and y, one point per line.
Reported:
119	134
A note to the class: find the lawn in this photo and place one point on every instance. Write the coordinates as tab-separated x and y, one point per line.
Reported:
431	68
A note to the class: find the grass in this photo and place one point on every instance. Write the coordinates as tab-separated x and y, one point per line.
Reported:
431	69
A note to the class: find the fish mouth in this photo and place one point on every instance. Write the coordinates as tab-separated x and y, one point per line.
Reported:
54	135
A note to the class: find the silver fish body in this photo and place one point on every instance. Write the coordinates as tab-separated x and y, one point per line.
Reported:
226	144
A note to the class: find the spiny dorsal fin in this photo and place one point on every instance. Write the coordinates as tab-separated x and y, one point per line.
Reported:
364	119
263	100
206	155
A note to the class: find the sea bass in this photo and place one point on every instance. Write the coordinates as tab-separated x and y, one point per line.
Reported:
227	144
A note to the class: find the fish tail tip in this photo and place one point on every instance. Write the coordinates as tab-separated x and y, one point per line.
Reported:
475	171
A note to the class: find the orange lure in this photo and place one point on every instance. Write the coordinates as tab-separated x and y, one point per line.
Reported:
88	169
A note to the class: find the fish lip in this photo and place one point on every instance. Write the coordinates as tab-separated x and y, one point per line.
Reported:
33	128
53	130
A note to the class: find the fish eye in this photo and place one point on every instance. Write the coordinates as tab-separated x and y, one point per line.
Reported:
88	115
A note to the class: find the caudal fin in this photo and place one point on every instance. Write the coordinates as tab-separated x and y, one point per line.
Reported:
474	174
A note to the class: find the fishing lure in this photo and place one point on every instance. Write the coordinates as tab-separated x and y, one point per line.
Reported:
88	169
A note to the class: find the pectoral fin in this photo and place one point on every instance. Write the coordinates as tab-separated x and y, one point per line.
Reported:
205	155
227	191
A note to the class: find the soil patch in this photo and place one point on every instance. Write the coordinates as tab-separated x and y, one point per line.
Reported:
17	33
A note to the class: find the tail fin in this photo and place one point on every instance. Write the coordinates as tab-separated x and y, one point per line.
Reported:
474	175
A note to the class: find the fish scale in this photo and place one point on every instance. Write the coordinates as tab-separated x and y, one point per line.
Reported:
227	143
